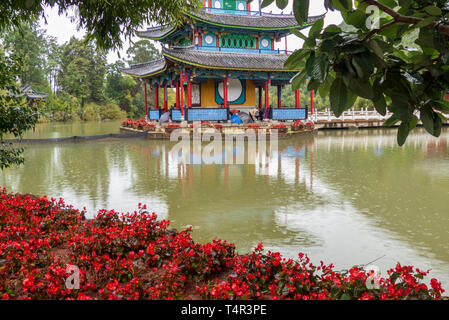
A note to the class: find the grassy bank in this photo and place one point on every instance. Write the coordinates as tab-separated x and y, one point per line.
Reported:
45	243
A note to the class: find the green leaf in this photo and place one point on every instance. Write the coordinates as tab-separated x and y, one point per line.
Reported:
356	18
328	44
332	29
299	79
441	105
389	3
345	297
363	64
391	121
403	132
362	88
425	22
427	118
373	44
342	5
301	10
433	11
298	34
313	85
316	28
338	96
266	3
326	86
320	67
282	4
381	105
310	64
413	122
296	58
437	124
426	38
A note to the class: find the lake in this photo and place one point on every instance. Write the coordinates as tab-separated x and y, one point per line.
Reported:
344	197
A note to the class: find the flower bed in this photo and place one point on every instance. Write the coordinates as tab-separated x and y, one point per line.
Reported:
134	256
310	125
297	125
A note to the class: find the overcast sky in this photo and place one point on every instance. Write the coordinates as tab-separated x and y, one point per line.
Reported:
62	28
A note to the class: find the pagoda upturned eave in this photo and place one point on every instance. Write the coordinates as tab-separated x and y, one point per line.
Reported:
146	69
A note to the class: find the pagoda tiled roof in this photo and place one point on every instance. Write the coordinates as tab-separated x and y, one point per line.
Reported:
28	92
212	60
264	21
147	68
227	60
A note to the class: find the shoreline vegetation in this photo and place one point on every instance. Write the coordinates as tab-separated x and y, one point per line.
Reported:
134	256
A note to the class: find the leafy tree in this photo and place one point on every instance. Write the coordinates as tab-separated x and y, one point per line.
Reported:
398	58
120	87
124	90
82	71
54	62
16	116
142	51
30	43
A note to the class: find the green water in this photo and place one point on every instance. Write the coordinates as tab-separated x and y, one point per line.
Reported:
346	197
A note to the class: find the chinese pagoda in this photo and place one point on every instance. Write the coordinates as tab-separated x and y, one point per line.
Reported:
217	59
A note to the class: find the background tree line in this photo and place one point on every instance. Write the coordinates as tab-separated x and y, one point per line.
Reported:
80	83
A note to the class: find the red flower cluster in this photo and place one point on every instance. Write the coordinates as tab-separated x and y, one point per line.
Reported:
253	125
140	124
134	256
280	125
310	125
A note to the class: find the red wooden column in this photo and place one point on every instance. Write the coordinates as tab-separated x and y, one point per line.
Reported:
279	96
177	95
156	97
286	47
297	98
189	92
266	98
165	98
311	102
146	100
181	75
225	92
200	39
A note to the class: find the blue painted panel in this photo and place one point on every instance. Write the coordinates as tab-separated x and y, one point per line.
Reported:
217	4
212	43
289	114
246	50
176	115
207	114
154	114
262	40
